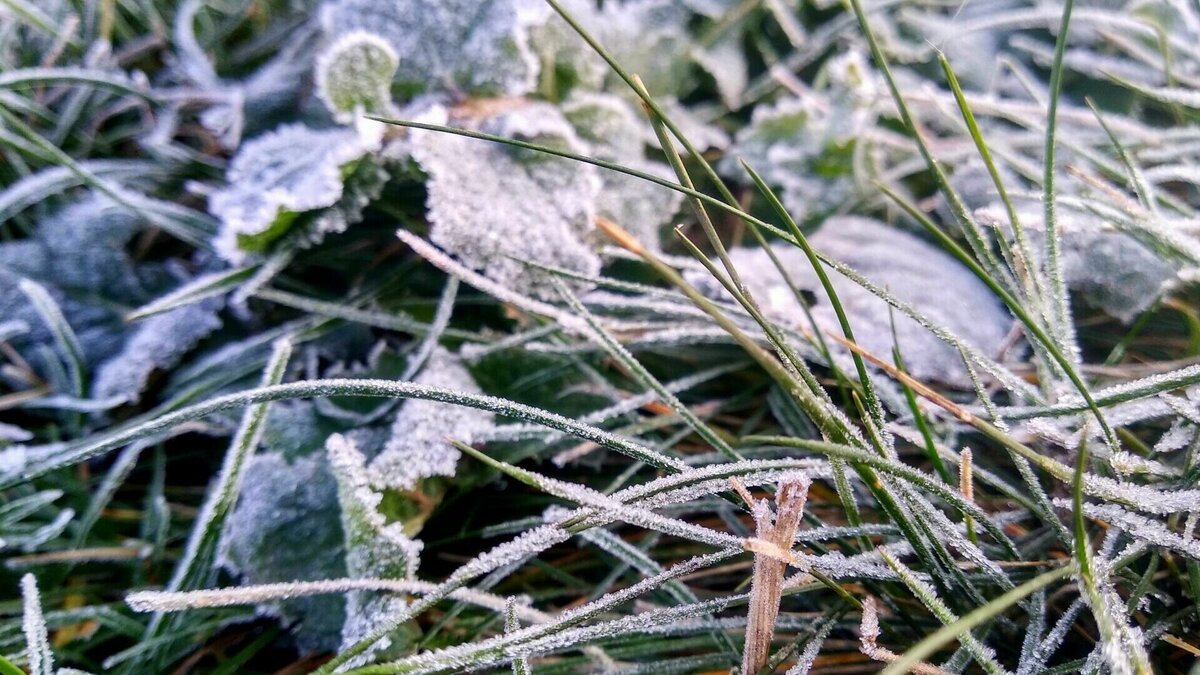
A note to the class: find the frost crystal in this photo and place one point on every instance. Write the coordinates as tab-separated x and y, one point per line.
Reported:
41	661
912	270
417	448
463	46
647	37
804	148
286	528
1110	269
158	343
278	175
490	203
609	125
354	74
374	547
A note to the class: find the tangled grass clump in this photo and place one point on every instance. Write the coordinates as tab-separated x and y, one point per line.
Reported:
348	336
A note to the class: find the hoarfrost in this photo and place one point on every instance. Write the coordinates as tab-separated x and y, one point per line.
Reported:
37	641
804	148
278	175
647	37
1109	268
490	203
354	75
158	343
911	269
476	47
418	448
374	548
283	502
609	125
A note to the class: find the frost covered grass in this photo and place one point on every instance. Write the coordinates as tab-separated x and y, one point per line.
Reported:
649	336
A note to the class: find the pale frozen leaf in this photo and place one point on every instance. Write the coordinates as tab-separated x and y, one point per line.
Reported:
725	62
914	271
161	601
283	501
1109	268
647	37
805	661
417	448
490	203
374	548
803	148
354	74
37	642
158	343
1141	527
613	131
278	175
476	47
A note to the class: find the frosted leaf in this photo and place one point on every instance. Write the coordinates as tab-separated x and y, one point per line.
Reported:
478	47
1176	438
286	527
1110	269
278	175
37	642
417	448
613	131
725	62
805	661
803	147
647	37
374	548
490	203
354	74
158	343
81	248
914	271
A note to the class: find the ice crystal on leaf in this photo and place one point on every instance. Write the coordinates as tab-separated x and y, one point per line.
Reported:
37	642
418	448
804	147
476	47
492	205
354	74
157	343
1109	268
911	269
374	547
279	175
609	125
282	502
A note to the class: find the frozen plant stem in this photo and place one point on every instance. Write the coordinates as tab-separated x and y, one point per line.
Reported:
767	585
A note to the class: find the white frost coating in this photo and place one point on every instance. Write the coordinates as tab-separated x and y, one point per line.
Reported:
914	271
805	661
462	46
354	75
801	147
374	548
33	623
529	543
161	601
1111	269
418	448
156	343
489	203
292	169
1140	527
361	519
615	132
